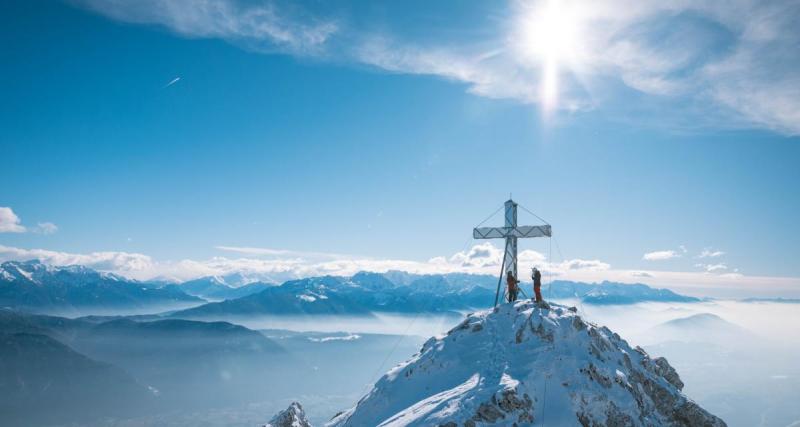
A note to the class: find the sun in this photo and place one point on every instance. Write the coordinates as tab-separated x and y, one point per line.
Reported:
552	39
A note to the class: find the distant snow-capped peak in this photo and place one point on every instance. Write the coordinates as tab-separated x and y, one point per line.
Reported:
36	272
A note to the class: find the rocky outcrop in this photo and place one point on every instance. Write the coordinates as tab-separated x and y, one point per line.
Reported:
293	416
521	363
509	406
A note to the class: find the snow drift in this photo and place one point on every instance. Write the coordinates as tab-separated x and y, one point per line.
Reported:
521	364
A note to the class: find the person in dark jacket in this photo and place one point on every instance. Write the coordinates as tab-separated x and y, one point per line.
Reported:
513	287
537	284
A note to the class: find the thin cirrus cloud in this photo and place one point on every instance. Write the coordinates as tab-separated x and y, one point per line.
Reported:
261	252
660	255
642	274
45	228
711	268
709	253
718	64
262	26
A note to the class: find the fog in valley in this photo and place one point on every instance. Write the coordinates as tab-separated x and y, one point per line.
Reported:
421	324
146	310
736	358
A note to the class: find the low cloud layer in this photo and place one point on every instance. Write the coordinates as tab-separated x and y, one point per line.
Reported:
125	263
282	265
277	265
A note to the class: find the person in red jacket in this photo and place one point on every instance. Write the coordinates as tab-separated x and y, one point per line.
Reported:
513	288
537	284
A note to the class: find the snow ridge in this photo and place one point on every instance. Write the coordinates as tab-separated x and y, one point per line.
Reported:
524	364
293	416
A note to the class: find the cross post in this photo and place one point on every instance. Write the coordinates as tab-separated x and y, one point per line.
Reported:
511	232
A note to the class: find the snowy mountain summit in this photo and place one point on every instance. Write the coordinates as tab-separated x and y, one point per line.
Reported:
520	364
293	416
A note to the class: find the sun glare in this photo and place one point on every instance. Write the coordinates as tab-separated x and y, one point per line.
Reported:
552	41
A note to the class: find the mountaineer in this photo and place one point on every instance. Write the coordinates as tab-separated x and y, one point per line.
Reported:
513	286
537	284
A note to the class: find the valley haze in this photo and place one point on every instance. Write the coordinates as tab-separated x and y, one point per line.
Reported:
299	333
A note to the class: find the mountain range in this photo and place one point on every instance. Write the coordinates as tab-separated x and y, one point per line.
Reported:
397	292
361	294
605	293
35	286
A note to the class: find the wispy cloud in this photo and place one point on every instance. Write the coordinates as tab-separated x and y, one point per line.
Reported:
660	255
711	268
259	25
710	253
260	252
733	64
642	274
45	228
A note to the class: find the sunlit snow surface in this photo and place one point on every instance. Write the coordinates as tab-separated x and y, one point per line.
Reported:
538	363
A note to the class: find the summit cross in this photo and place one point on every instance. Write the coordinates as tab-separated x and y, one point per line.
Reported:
511	232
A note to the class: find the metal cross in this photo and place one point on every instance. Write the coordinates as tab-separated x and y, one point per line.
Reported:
511	232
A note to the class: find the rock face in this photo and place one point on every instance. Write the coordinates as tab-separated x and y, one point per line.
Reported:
521	364
293	416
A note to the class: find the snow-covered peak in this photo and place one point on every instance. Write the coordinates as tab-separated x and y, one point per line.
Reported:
293	416
21	270
114	277
521	364
35	271
24	273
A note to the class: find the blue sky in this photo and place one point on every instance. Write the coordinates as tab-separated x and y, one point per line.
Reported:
143	137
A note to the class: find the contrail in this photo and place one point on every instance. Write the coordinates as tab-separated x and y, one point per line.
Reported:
175	80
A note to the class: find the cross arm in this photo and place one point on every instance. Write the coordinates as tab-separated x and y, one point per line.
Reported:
519	232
